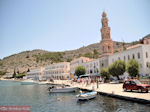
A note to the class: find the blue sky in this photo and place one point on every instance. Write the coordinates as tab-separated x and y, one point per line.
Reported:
58	25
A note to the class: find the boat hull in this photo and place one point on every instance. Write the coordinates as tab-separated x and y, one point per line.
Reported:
62	90
87	96
27	83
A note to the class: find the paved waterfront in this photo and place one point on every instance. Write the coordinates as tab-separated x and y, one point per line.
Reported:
108	88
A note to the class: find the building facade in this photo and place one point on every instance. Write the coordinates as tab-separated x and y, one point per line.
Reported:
36	74
92	67
57	71
77	62
140	52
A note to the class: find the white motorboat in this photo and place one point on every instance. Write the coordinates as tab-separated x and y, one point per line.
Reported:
63	89
87	96
42	83
28	82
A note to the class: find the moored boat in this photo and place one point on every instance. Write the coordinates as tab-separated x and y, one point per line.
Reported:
28	82
87	96
63	89
42	83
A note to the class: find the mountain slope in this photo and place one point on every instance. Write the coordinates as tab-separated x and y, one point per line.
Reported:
37	58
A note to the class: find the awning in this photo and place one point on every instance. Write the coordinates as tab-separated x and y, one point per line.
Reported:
88	75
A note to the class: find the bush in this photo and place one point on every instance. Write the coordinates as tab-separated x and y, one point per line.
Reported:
2	73
89	55
53	57
21	75
133	68
69	60
80	70
104	74
117	68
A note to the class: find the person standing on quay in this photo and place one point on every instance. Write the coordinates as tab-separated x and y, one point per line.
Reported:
97	82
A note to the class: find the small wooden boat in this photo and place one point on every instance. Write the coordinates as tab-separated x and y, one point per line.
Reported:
87	96
63	89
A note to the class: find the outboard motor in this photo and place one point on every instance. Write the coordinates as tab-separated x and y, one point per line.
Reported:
51	87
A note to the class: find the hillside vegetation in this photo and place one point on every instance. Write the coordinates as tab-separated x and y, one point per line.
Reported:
37	58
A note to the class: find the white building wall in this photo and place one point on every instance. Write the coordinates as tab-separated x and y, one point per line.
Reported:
136	53
57	71
77	62
35	74
146	58
103	62
92	67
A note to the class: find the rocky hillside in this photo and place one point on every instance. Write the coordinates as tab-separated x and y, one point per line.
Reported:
23	61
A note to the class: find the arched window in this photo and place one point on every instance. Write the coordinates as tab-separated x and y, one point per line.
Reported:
91	71
128	57
109	48
133	56
102	64
138	55
124	58
146	55
147	64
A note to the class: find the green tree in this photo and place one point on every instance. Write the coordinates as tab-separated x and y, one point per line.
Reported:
117	68
2	73
69	59
28	70
53	57
1	63
14	74
18	72
21	75
148	64
80	70
79	55
133	68
104	74
116	51
89	55
95	53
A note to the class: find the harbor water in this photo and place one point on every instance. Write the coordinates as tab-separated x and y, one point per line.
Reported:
40	100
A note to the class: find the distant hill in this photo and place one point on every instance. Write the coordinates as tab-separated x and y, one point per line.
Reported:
23	61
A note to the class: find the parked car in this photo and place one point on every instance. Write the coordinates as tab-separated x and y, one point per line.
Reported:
135	85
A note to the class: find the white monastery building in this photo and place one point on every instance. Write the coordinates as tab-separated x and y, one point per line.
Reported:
140	52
